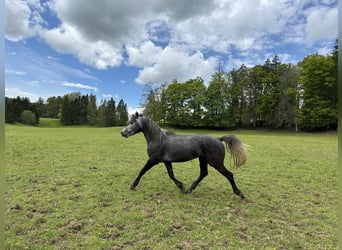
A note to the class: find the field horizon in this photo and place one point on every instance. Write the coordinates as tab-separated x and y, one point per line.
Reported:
68	188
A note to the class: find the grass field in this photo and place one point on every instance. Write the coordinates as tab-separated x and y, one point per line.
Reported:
68	188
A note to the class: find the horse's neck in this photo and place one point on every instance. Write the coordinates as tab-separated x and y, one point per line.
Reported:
152	131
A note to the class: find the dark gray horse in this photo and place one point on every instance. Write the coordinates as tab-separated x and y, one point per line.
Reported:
165	146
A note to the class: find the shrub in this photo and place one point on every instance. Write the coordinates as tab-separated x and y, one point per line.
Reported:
28	117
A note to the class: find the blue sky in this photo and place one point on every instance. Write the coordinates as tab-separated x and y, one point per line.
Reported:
113	48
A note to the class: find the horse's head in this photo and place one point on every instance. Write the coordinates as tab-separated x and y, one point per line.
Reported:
133	127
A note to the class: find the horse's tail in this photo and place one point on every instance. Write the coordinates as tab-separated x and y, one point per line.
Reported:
236	148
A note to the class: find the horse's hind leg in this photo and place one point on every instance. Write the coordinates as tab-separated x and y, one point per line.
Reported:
229	175
179	184
149	164
203	173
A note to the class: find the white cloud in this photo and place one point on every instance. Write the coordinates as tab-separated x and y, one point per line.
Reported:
325	50
171	39
52	58
107	96
242	24
175	63
133	110
321	24
17	21
14	92
79	85
22	19
15	72
143	56
68	39
34	83
97	34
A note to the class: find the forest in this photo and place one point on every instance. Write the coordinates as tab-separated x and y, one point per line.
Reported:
71	109
272	95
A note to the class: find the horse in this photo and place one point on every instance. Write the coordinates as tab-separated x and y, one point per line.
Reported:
167	147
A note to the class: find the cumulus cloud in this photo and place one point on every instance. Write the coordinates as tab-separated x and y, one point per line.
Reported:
175	63
170	39
17	21
115	21
68	39
144	55
22	19
242	24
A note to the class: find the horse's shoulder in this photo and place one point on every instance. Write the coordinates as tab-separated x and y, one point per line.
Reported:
167	132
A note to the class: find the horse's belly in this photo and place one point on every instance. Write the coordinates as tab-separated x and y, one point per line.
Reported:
181	153
179	157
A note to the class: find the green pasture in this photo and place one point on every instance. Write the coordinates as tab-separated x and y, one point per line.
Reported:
68	188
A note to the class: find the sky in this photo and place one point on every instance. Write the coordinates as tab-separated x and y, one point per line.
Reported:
112	49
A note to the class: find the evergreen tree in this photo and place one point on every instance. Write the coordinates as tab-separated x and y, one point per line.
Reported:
101	114
92	110
121	114
53	106
110	114
71	109
10	116
65	111
15	106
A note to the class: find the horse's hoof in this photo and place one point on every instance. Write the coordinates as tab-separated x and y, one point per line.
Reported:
241	195
132	187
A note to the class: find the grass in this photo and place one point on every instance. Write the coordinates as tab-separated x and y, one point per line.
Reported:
68	188
49	123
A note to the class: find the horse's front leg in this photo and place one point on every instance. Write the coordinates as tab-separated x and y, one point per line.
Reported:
149	164
179	184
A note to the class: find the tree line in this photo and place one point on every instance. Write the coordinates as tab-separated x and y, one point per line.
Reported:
71	109
274	95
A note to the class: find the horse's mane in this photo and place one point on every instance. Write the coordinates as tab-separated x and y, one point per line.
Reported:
156	129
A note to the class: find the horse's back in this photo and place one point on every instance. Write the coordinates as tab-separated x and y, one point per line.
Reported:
187	147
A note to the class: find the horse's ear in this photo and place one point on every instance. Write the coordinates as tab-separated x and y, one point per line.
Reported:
137	114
